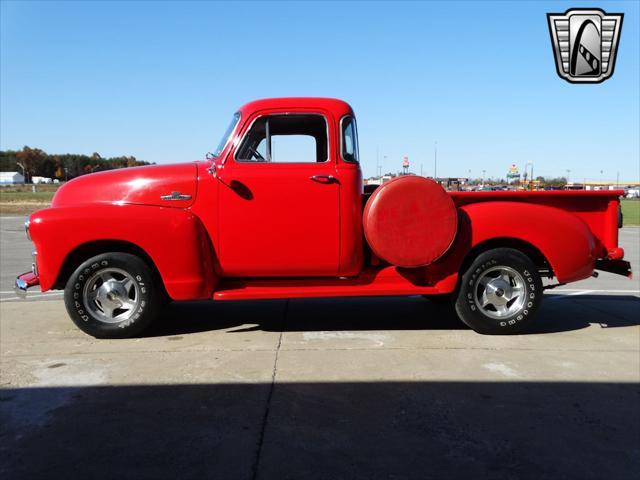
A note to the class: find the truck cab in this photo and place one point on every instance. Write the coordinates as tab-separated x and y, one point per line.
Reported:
286	187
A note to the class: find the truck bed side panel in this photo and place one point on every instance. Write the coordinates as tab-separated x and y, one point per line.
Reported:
563	239
597	209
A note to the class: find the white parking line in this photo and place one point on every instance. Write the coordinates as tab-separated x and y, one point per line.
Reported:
550	291
561	296
31	292
581	291
31	297
553	295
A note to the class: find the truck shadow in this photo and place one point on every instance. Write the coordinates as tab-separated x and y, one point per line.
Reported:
322	430
558	314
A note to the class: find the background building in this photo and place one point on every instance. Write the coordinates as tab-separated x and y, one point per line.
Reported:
11	178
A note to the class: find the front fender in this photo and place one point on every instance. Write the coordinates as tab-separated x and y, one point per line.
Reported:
174	239
563	238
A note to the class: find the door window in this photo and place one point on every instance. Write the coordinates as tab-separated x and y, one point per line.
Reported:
294	138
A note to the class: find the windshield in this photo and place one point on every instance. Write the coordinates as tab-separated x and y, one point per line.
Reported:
227	133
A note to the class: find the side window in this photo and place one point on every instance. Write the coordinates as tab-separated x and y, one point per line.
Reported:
349	140
294	149
285	139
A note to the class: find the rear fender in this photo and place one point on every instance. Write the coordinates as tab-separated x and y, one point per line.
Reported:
174	239
563	239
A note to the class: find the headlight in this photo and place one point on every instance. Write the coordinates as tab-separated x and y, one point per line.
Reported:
26	227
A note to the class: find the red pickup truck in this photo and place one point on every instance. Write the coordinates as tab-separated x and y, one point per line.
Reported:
278	210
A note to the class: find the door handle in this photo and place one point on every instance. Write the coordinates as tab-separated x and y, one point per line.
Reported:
323	178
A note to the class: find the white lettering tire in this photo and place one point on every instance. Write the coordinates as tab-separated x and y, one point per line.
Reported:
113	295
500	293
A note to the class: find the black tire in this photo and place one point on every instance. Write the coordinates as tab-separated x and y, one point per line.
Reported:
143	294
518	313
620	216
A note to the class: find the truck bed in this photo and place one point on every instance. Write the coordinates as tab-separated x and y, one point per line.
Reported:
598	209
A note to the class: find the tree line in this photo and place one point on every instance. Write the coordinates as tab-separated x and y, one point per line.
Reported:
34	162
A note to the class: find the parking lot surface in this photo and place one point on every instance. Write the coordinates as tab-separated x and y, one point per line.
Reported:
324	388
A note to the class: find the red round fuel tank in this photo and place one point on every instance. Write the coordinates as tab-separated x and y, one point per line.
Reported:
410	221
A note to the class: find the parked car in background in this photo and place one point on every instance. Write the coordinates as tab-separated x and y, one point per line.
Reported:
633	193
37	180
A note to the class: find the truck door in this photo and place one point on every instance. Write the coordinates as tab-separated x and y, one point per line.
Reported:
279	199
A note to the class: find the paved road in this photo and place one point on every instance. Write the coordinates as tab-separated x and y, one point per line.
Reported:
331	388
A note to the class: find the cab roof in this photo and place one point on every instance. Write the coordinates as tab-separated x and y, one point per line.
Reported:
333	105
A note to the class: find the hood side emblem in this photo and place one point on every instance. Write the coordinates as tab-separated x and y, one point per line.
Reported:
175	196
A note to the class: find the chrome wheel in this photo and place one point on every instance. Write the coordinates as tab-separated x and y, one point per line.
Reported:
111	295
500	292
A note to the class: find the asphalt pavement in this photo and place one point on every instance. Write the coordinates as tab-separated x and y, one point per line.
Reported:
353	388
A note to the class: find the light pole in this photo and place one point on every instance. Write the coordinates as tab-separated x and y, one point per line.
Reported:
568	175
24	174
483	172
531	176
435	160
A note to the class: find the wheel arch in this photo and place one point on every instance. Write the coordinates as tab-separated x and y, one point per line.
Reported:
87	250
524	247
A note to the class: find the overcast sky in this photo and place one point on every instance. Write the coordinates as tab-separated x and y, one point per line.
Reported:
160	80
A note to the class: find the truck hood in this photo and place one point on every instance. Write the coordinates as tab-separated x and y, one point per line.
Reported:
161	185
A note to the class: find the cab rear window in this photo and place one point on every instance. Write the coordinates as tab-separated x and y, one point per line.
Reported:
349	140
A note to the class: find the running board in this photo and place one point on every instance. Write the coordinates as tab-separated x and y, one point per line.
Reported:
388	281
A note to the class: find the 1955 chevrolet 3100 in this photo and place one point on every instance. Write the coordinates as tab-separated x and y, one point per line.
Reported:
278	210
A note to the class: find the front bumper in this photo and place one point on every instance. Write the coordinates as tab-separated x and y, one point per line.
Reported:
24	282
